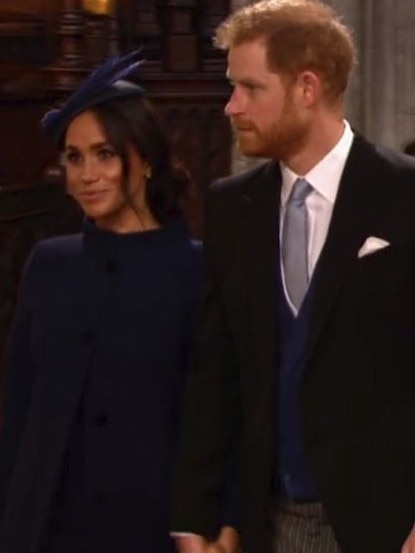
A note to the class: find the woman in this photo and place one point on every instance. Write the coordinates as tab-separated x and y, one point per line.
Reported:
101	338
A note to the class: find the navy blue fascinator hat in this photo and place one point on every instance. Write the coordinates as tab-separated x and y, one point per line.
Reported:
105	83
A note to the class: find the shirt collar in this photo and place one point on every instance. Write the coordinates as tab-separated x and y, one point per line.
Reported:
325	176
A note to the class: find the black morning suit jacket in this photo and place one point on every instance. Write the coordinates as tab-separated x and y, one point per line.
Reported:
357	394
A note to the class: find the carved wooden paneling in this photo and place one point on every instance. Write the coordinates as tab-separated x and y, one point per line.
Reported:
71	32
141	26
24	152
198	133
181	31
175	34
20	6
214	12
70	62
22	39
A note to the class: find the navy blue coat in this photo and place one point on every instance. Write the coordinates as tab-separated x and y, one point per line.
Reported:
97	354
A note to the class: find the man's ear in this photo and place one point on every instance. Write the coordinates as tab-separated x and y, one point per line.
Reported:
310	88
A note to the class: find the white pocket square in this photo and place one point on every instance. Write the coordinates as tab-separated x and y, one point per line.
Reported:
371	245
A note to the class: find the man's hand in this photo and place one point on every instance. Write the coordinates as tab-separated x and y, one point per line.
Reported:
191	544
226	542
409	545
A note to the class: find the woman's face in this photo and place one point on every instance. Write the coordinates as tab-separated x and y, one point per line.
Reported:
94	176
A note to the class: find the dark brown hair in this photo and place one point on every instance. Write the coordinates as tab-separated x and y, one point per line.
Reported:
134	122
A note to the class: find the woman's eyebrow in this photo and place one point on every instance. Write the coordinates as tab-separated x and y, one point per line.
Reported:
93	146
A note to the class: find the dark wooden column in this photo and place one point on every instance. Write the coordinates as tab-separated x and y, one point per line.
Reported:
70	61
87	34
182	43
101	32
214	12
142	28
71	31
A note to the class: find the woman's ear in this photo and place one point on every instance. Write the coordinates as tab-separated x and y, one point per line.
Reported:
148	173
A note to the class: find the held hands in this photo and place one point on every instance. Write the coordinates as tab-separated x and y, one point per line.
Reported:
226	542
409	545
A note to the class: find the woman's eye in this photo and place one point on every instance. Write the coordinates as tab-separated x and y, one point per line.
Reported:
71	158
106	153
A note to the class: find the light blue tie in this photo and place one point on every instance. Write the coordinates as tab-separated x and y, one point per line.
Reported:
294	243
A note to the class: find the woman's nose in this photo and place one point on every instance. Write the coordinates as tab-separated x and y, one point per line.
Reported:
89	171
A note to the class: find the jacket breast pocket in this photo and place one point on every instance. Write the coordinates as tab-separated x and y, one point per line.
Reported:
388	268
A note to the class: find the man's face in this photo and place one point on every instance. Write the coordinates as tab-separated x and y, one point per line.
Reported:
264	110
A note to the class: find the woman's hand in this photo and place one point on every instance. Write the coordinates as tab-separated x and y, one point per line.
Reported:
226	542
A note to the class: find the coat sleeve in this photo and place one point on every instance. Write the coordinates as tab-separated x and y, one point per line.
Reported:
18	377
202	491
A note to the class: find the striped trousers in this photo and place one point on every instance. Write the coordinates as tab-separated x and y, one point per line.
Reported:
302	528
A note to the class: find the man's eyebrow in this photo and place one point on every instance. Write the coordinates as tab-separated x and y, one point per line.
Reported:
246	81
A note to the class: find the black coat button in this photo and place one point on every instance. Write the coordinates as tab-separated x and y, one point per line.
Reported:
111	265
87	337
100	420
100	498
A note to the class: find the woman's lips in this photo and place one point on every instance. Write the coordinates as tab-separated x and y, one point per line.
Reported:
92	195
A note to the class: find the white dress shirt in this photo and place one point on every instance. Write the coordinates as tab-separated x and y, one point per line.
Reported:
324	179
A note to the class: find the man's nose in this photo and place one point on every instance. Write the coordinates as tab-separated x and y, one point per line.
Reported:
234	105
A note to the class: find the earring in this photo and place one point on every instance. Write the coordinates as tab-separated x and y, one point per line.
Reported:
148	173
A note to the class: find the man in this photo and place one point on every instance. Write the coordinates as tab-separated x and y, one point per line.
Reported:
305	378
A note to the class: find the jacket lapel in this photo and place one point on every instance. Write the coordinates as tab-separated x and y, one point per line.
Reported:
347	231
261	199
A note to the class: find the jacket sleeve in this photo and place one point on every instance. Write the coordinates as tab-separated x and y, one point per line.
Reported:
202	490
18	378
